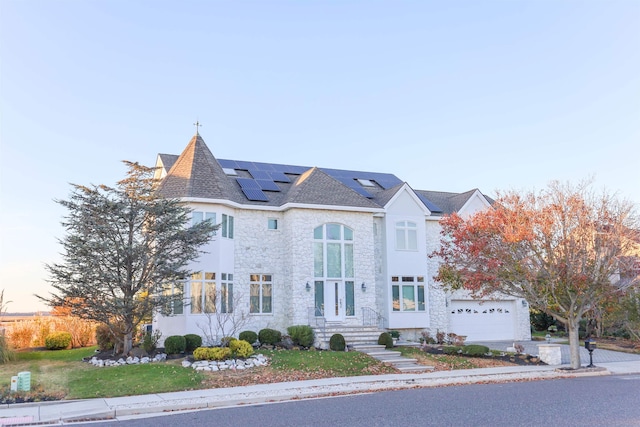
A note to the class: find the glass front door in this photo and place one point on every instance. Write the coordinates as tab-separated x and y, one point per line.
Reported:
334	301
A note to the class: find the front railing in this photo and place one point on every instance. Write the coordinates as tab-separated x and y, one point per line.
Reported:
370	317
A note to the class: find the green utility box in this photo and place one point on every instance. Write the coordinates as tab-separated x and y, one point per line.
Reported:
24	381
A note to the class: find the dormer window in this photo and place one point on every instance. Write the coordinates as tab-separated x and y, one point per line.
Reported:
230	171
366	182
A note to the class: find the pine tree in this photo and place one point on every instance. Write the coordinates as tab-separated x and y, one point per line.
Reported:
123	245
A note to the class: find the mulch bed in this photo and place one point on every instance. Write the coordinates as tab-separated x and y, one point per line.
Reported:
517	359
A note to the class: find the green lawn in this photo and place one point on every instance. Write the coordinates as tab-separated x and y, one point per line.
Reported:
63	374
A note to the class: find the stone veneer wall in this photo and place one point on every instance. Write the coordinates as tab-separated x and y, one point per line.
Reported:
437	296
287	254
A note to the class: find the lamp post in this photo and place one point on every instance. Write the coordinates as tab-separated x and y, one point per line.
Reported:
590	345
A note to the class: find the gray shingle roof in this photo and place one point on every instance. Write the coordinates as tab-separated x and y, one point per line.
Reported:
196	173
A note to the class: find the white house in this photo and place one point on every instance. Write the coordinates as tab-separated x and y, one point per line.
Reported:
325	247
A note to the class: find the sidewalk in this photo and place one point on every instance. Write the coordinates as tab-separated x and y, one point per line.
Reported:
156	404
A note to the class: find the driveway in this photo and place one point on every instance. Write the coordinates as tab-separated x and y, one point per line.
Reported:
531	347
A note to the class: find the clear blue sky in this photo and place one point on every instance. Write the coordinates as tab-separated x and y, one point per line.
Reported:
447	95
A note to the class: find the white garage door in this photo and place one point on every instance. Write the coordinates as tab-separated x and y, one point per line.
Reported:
483	321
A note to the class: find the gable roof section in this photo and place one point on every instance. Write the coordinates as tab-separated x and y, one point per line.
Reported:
197	174
449	202
319	188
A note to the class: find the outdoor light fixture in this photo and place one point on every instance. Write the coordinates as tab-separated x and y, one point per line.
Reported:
364	287
308	287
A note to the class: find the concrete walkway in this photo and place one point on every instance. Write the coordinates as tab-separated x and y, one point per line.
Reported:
52	413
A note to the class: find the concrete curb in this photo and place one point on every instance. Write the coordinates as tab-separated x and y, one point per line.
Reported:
136	406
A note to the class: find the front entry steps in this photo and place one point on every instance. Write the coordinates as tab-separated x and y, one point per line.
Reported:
401	363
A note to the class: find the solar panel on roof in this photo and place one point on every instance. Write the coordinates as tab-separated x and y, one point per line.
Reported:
279	177
267	185
248	183
245	165
231	164
429	204
264	166
259	174
255	195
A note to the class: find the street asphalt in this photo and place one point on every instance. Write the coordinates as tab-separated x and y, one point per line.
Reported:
59	412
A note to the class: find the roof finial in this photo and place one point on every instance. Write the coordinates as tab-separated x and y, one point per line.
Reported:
197	125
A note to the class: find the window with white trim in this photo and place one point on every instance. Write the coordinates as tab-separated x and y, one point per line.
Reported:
406	236
175	291
203	292
198	216
407	293
227	226
260	294
226	293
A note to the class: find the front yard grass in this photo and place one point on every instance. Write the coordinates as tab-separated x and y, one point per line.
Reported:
63	375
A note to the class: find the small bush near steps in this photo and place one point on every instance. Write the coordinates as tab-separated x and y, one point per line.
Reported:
386	340
337	343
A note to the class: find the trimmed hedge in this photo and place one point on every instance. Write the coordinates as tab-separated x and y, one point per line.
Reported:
475	350
337	343
241	348
175	344
301	335
269	336
248	336
192	341
209	353
451	349
58	341
385	340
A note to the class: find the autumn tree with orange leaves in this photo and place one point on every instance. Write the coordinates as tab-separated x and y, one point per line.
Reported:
558	248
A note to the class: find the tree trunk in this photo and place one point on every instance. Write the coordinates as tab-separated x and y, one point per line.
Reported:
574	342
127	344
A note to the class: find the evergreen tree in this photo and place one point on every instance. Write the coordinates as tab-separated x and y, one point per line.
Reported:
123	245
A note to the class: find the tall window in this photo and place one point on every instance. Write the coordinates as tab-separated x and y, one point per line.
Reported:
406	236
203	292
333	260
260	294
175	290
407	293
226	293
333	251
227	226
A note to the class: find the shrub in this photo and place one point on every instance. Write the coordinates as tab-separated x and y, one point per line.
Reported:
150	340
22	334
58	341
241	348
427	338
6	354
104	338
440	337
336	342
269	336
301	335
192	341
225	341
42	330
248	336
211	353
394	334
385	340
475	350
451	349
175	344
